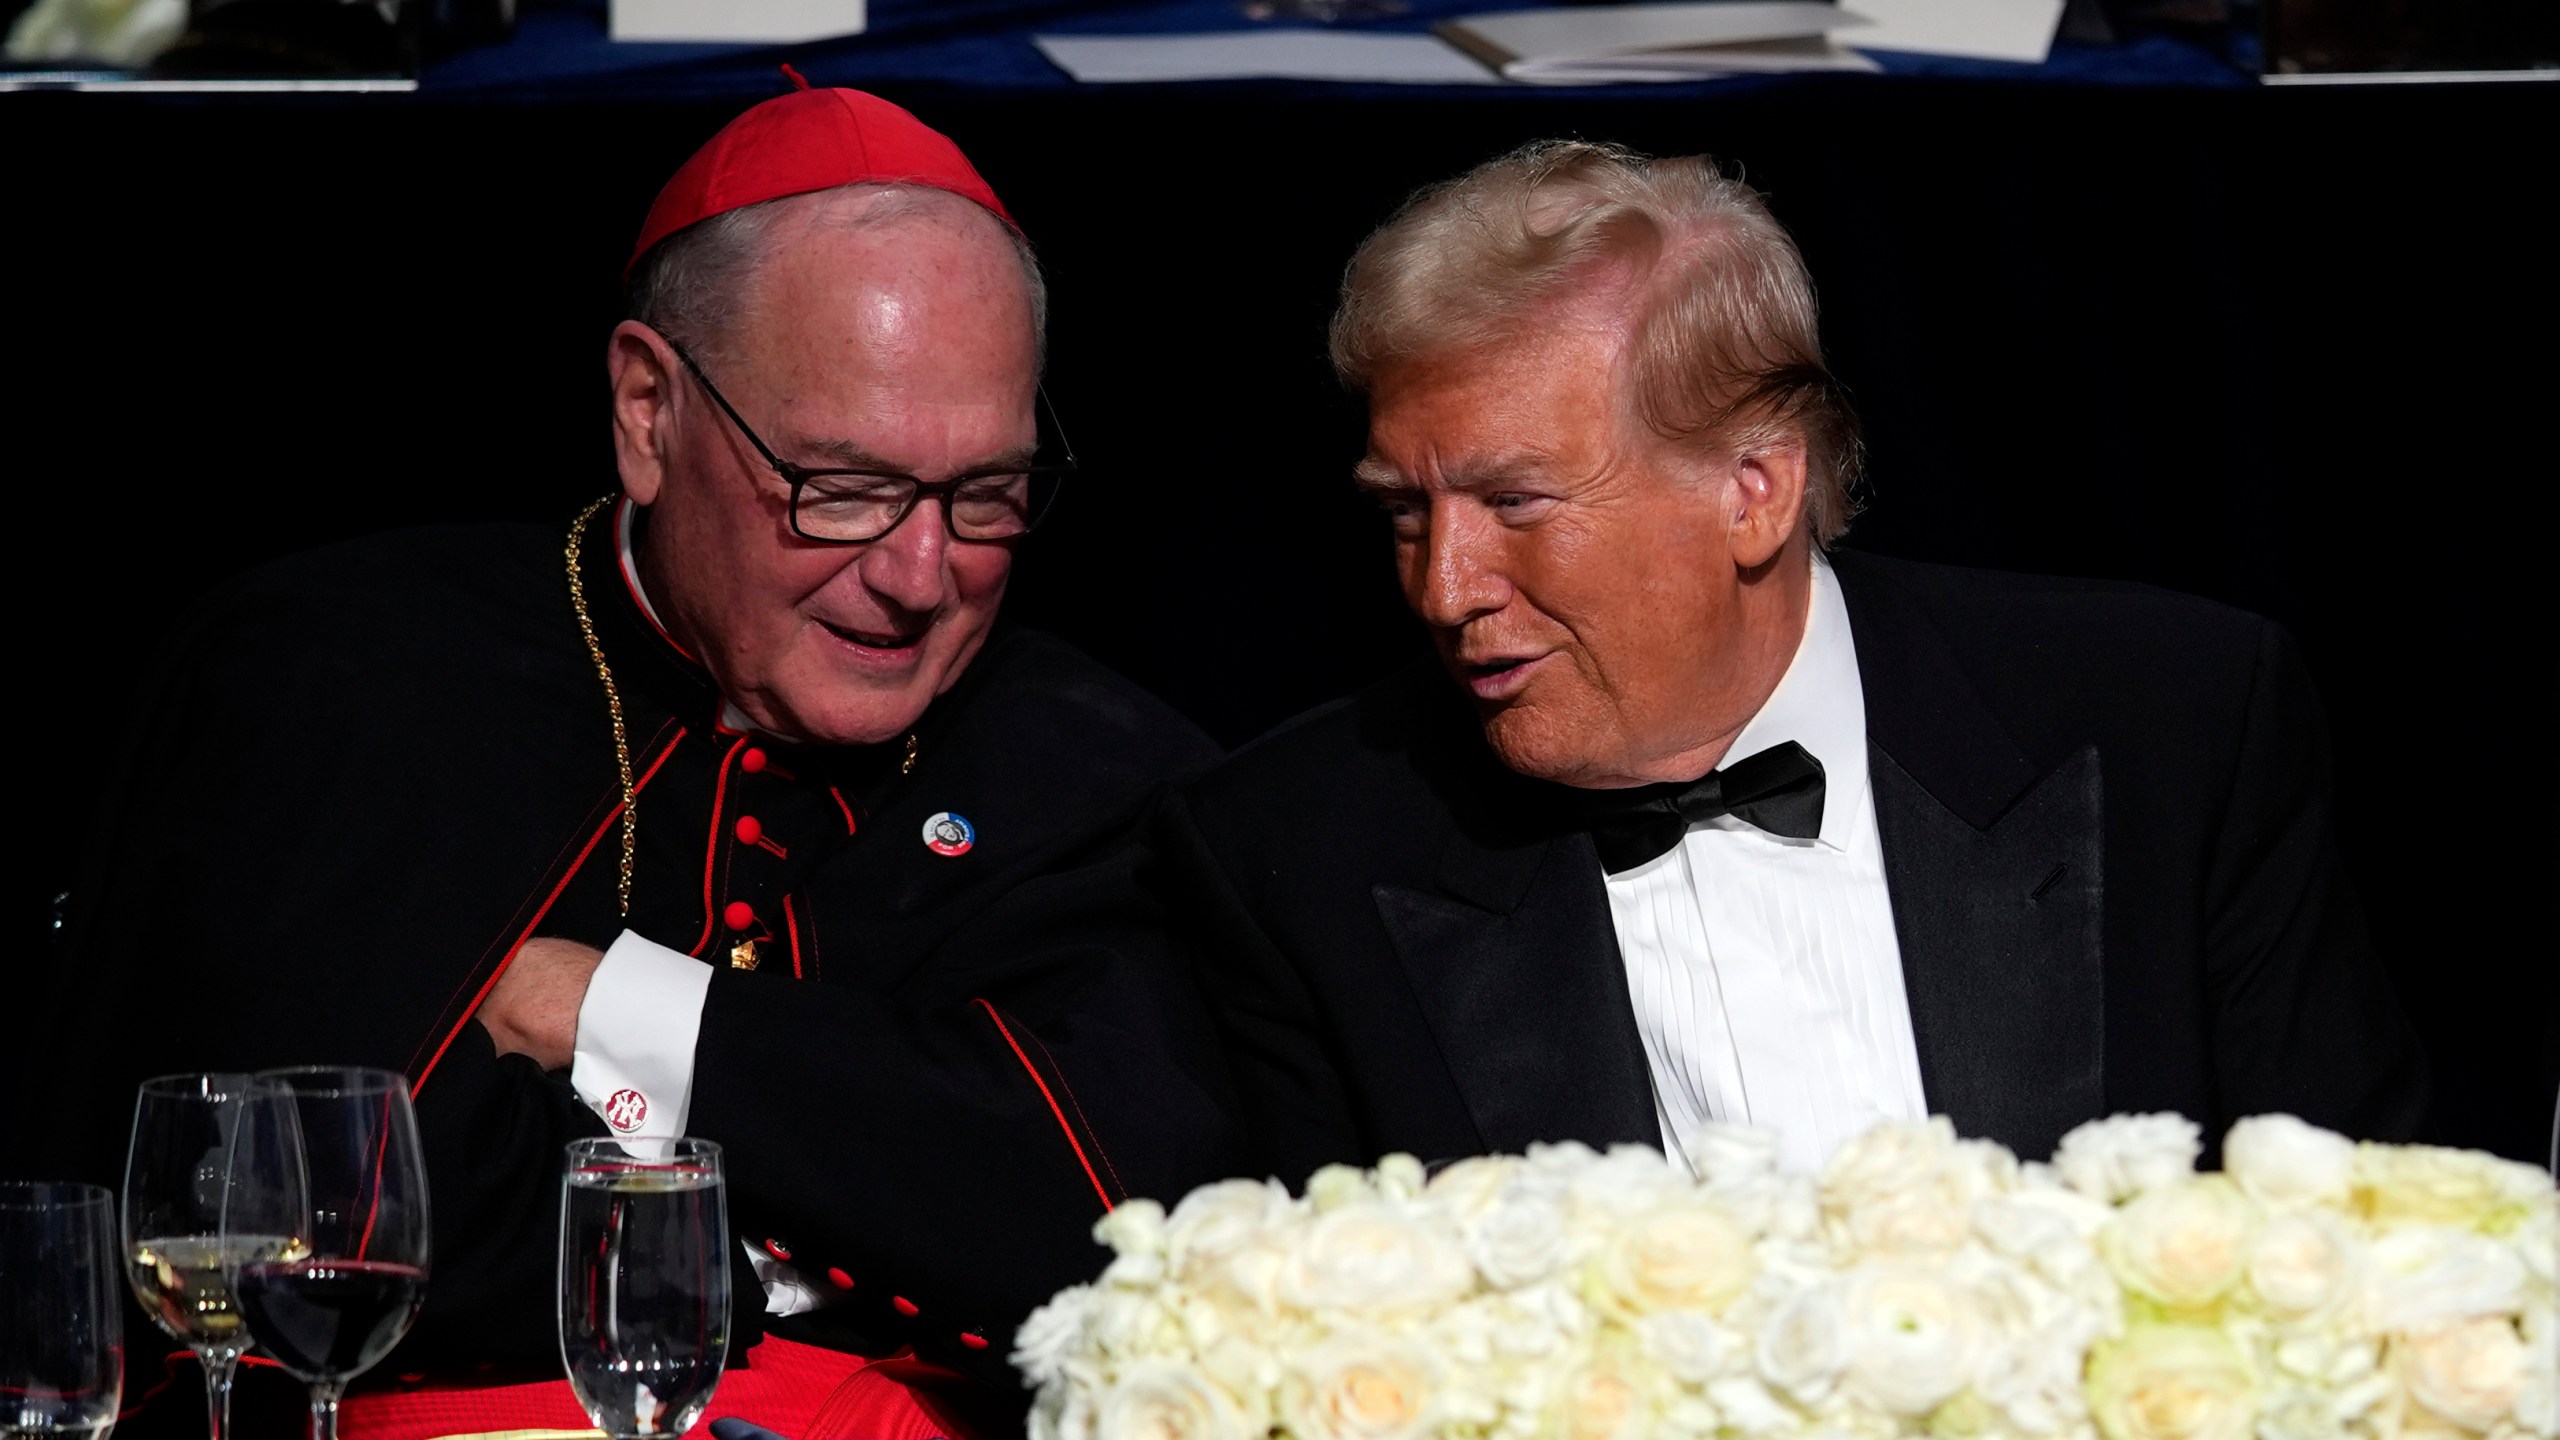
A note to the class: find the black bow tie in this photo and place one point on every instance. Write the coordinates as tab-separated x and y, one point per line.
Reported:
1779	790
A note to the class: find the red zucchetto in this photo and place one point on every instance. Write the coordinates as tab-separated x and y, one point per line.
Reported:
809	140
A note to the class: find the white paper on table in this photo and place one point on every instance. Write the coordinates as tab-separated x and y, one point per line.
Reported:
2020	30
1762	57
759	22
1262	55
1519	41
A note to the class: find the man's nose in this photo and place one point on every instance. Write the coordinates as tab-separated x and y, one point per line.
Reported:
1455	578
905	566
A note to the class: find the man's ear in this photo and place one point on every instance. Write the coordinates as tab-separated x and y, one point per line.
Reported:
642	370
1768	481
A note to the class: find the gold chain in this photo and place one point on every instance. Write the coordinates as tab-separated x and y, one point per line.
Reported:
612	702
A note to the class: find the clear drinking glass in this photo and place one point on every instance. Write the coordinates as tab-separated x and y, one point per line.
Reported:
644	1282
176	1174
61	1325
333	1167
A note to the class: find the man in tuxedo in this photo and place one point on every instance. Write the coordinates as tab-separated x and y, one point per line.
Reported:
1697	819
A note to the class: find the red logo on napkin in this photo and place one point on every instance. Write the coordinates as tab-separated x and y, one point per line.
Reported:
625	1110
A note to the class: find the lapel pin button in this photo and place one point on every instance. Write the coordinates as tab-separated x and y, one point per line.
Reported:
949	834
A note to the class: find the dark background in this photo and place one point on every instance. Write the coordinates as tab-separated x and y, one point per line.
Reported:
2288	349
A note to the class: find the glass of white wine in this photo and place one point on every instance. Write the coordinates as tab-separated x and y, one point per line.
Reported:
175	1255
61	1326
644	1282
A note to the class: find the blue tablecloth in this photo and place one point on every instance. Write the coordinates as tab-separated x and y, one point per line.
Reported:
560	49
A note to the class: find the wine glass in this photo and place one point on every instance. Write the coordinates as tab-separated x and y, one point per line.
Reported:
334	1168
61	1328
644	1282
176	1259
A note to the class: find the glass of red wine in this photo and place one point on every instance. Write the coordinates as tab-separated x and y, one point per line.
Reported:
329	1183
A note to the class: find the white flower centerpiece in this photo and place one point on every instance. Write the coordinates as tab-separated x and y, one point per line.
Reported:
1922	1285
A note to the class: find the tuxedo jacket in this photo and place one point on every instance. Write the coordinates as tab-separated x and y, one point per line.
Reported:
2105	815
371	772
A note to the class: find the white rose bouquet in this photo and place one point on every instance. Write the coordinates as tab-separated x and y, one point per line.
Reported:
1921	1285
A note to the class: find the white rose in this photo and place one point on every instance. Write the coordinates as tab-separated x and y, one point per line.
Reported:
1134	1324
1749	1407
2303	1264
1610	1397
1401	1177
1722	1154
1804	1344
2286	1164
2461	1188
2035	1380
2183	1243
1132	1227
1156	1400
2471	1374
1521	1240
1914	1336
2171	1382
1216	1221
1627	1179
1360	1386
1923	1225
1892	1158
2125	1155
2424	1276
1054	1334
1472	1185
1369	1258
1335	1186
1687	1256
1691	1346
2300	1413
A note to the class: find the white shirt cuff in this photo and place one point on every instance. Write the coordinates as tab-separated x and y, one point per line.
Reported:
636	1033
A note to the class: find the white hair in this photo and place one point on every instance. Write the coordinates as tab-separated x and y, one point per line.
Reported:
1722	341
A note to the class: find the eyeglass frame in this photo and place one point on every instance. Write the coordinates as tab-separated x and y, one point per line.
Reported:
797	476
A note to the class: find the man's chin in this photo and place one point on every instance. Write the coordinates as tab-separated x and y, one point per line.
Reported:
1535	745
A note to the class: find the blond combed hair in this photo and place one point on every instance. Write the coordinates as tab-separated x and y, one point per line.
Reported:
1723	345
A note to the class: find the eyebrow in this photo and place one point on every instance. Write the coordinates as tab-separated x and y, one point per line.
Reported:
852	456
1377	476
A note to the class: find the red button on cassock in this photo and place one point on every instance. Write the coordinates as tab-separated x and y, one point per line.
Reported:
973	1339
902	1305
749	830
777	1250
752	761
739	915
839	1279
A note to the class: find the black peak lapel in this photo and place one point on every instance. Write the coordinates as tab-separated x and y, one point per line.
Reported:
1520	980
2000	931
1993	862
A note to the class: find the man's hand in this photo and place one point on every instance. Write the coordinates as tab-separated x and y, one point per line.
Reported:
534	1008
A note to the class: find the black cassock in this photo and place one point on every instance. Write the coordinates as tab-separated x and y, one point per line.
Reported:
373	771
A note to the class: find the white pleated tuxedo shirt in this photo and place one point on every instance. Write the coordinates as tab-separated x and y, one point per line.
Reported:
1766	978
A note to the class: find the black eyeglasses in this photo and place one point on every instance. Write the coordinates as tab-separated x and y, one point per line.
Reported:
849	507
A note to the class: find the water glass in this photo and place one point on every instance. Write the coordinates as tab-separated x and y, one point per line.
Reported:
644	1282
61	1321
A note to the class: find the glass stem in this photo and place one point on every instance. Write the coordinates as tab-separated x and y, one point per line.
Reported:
219	1367
324	1409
